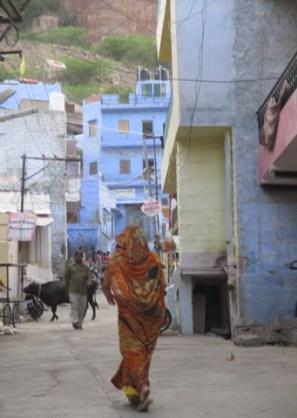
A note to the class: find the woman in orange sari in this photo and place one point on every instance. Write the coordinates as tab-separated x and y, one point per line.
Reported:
134	280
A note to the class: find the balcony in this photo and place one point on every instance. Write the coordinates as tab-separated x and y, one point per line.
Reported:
277	122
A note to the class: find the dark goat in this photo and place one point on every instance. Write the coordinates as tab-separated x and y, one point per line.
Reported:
54	293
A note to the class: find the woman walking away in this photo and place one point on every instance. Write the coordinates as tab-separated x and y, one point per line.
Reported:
134	281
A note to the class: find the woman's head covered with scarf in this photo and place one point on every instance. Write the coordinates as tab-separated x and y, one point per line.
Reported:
132	245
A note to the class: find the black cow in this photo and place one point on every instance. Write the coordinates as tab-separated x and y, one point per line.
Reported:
54	293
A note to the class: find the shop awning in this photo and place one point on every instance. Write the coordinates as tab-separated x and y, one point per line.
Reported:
44	220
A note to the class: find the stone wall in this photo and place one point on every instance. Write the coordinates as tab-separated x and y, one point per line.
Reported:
106	18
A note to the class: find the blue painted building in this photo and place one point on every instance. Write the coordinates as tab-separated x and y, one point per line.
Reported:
115	135
14	94
94	225
236	223
131	132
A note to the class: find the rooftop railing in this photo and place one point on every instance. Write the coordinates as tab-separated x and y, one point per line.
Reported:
134	100
289	74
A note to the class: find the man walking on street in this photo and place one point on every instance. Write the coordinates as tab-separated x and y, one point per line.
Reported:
77	279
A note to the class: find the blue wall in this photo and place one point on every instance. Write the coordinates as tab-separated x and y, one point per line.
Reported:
38	91
87	231
267	238
267	246
80	235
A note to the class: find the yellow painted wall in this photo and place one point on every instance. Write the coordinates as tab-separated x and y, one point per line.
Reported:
8	249
8	253
3	226
200	194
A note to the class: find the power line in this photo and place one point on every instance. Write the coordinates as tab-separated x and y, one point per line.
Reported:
43	128
43	158
190	15
200	68
212	81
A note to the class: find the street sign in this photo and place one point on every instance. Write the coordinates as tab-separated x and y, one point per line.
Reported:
151	207
21	226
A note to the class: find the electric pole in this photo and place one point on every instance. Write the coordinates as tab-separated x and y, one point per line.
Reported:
148	174
24	178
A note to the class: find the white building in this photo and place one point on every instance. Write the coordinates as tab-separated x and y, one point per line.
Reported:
34	125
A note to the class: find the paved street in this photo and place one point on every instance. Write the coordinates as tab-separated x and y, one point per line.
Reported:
50	370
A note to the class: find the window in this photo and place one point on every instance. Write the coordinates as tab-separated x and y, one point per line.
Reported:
147	128
73	168
107	224
151	169
93	168
165	201
92	128
147	89
123	126
72	218
159	90
125	167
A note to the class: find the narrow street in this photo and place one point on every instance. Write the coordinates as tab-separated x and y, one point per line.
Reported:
50	370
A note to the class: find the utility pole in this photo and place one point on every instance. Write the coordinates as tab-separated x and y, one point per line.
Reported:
156	219
147	170
156	184
24	178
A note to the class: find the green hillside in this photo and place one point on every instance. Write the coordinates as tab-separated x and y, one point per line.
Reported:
107	66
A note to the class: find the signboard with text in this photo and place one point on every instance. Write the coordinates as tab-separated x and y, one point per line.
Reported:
21	226
151	207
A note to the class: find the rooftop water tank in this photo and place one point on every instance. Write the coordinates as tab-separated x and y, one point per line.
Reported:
57	102
143	74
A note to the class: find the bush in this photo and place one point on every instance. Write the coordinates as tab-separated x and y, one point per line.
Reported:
8	74
83	71
79	92
68	35
134	49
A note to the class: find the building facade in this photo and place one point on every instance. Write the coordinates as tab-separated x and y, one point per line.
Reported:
132	135
92	227
33	123
115	136
236	236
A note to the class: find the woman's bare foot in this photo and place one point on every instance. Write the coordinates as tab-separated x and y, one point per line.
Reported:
145	400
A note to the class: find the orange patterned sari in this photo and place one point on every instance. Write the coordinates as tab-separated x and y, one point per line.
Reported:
137	284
